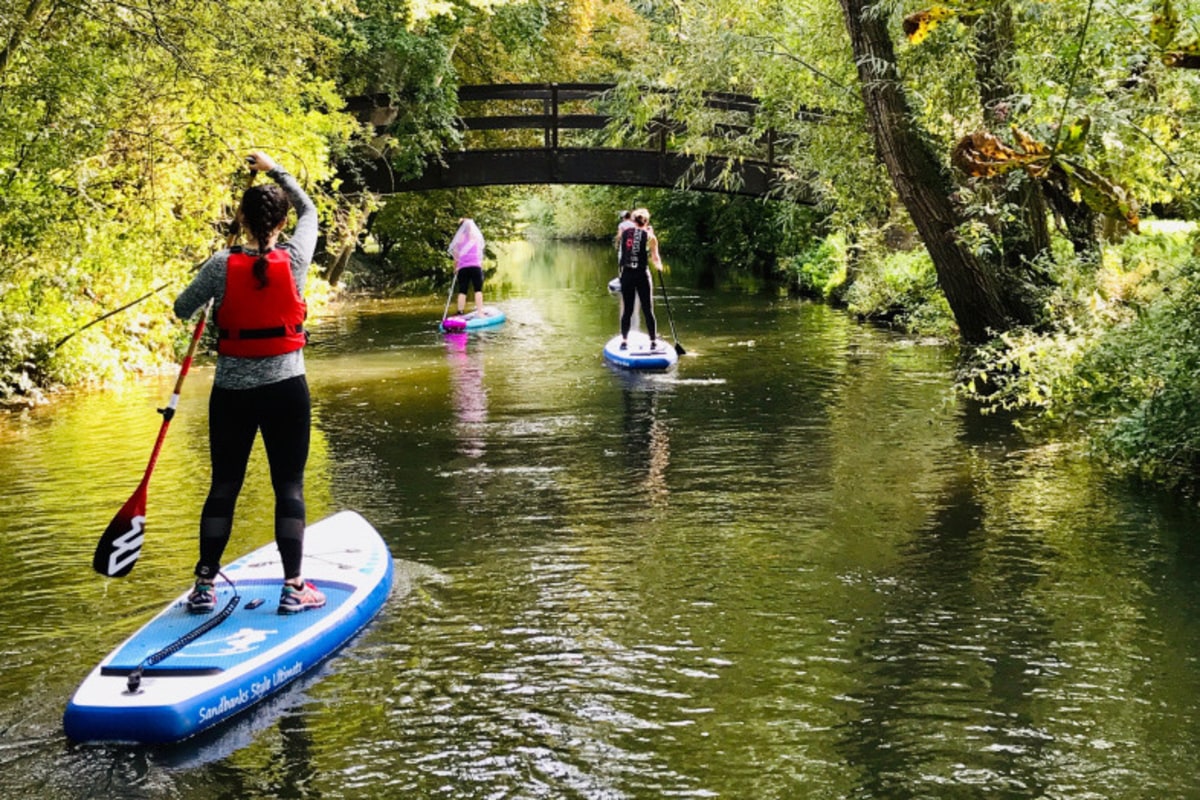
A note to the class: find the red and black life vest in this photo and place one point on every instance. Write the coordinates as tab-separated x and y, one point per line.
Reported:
633	247
256	321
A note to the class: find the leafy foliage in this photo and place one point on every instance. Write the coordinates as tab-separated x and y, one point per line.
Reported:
919	24
1122	365
902	290
819	270
574	212
121	135
1164	26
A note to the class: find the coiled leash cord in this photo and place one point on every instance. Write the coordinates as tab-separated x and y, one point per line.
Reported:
132	686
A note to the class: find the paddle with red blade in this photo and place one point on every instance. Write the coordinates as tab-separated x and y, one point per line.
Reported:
121	544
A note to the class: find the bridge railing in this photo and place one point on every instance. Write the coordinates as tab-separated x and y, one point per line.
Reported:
553	115
557	112
563	133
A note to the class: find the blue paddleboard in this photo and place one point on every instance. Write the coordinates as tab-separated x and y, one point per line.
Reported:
249	656
491	316
638	354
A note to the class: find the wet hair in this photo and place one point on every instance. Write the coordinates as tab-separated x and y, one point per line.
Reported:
641	216
264	208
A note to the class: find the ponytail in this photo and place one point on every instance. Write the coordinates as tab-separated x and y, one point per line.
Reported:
260	270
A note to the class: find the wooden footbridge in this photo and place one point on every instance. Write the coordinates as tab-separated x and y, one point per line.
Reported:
547	133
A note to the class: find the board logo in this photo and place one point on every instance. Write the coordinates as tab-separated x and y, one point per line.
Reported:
242	641
127	546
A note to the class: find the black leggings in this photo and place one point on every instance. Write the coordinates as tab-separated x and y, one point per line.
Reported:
283	412
468	278
636	282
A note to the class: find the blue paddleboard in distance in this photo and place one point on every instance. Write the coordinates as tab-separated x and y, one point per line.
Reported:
638	355
246	658
474	320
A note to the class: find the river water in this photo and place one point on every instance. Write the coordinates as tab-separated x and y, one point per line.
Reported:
793	567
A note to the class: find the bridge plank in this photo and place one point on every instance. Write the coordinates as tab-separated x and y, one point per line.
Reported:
573	166
500	122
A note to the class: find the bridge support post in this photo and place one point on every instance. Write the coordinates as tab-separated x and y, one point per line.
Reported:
554	116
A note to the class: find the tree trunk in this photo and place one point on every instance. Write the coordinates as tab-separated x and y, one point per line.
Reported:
1026	237
334	273
1079	220
919	177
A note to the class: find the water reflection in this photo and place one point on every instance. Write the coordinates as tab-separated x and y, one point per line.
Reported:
646	441
932	649
469	397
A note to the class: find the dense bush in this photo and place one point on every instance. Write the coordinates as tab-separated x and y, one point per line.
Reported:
819	270
1122	368
901	289
574	212
21	359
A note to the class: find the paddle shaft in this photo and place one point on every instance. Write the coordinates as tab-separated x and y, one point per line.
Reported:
169	411
670	318
446	310
121	543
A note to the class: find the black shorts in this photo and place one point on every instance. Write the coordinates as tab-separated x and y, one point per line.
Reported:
469	277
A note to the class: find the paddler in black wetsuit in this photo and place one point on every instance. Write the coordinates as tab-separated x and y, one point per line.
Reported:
638	249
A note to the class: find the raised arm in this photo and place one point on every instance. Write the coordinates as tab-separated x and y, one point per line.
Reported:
303	241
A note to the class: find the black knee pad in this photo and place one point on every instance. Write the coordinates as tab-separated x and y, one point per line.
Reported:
292	507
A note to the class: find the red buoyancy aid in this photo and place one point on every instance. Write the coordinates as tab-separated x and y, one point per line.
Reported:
256	321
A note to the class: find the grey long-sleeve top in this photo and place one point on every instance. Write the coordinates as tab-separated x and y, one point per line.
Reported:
234	372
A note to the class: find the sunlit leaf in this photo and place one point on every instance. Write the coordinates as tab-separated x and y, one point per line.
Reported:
1075	137
1028	144
983	155
1164	25
1101	194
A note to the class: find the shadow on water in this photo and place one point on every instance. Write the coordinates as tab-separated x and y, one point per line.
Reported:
933	646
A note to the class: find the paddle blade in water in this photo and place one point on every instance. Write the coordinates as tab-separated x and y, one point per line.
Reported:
121	544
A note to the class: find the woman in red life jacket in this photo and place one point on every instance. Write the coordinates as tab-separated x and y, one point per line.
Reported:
639	249
259	383
467	249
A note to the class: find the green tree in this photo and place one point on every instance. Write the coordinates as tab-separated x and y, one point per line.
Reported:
855	103
121	135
